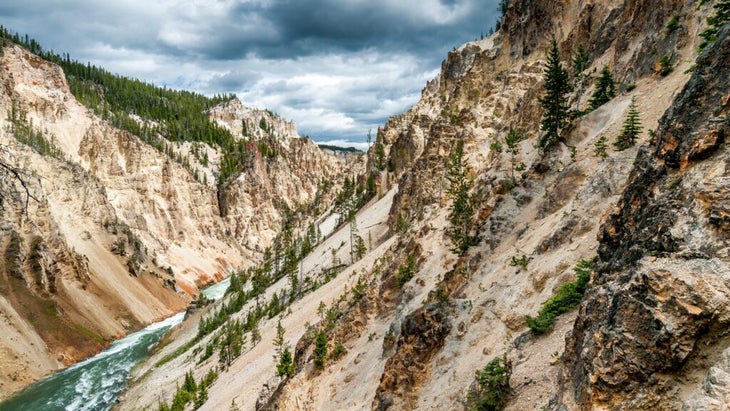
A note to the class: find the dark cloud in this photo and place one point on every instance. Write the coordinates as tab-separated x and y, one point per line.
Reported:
337	67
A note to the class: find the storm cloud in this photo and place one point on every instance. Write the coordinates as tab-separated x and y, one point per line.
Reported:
338	68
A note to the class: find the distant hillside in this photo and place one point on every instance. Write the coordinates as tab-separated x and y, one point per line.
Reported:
352	150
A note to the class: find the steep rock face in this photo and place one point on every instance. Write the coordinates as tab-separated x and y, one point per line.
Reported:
652	322
423	332
283	173
115	233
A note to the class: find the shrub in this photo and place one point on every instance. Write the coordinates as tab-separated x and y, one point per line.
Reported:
338	351
568	297
406	271
320	350
673	24
492	390
664	66
519	261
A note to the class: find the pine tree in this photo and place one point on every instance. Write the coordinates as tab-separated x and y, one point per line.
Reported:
721	16
600	147
320	350
285	367
461	207
555	101
189	385
512	140
580	65
631	128
605	89
279	339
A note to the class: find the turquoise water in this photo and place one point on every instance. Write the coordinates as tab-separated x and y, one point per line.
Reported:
216	291
95	383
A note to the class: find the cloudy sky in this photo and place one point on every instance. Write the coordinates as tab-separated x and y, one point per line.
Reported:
336	67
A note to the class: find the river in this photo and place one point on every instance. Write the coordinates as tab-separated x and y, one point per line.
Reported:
95	383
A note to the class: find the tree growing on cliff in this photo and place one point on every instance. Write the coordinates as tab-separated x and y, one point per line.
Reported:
581	60
492	388
512	141
320	350
719	19
631	128
605	89
458	175
555	100
600	147
285	366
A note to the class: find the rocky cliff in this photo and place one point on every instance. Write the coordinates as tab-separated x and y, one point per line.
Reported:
410	323
403	320
102	232
652	332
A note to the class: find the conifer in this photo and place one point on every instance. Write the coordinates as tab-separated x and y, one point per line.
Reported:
605	89
555	101
580	65
631	128
320	350
600	147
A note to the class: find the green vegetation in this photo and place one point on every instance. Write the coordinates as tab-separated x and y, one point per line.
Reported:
664	66
673	24
406	271
605	89
520	261
555	101
580	63
492	390
351	198
285	366
458	174
23	130
512	141
338	351
191	391
631	128
717	20
568	297
154	114
600	147
320	350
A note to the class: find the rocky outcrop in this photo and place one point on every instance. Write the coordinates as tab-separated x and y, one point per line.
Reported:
114	233
660	305
421	334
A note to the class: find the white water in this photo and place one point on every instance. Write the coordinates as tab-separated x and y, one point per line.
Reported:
95	383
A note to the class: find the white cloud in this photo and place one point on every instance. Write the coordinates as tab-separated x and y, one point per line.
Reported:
346	143
337	68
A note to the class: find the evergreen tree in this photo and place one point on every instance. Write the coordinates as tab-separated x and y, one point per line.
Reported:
719	19
255	335
320	350
461	207
605	89
631	128
555	101
279	342
189	385
601	147
514	137
379	155
285	367
580	65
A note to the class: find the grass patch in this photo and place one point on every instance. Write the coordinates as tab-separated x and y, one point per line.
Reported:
179	351
568	297
87	332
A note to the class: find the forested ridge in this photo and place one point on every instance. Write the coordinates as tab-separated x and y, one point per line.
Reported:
153	113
